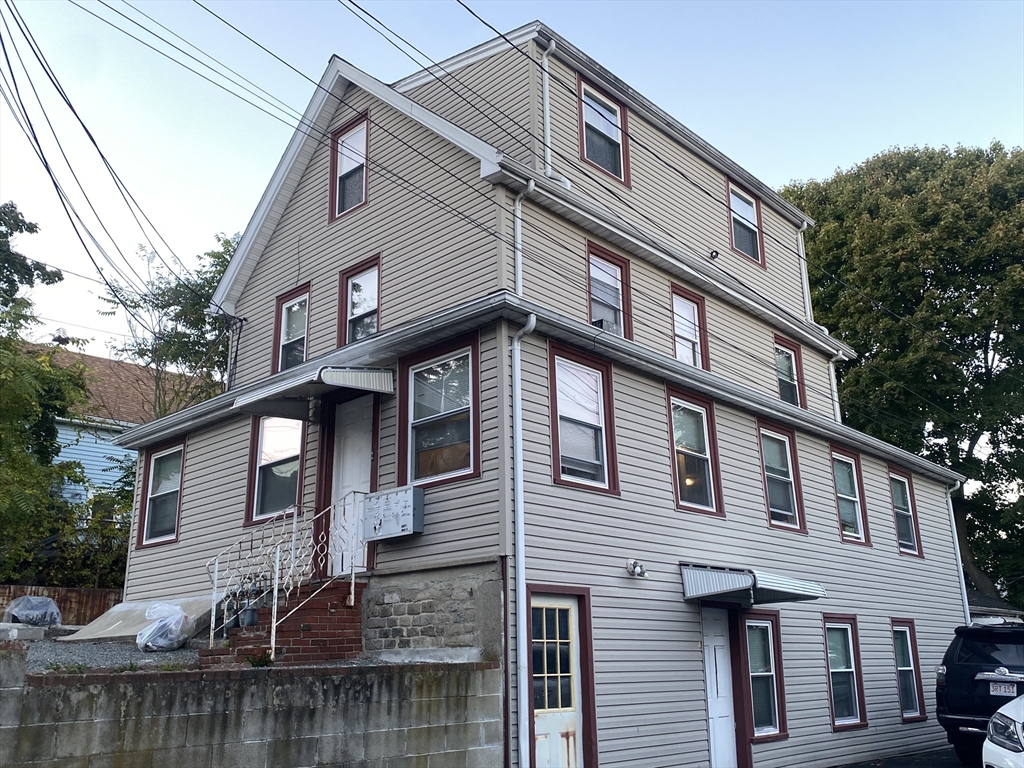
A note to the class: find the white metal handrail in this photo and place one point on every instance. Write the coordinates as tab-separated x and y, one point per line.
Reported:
284	554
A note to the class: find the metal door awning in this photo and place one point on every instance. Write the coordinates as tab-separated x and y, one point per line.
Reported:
745	586
288	397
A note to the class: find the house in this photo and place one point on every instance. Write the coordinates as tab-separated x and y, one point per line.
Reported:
584	336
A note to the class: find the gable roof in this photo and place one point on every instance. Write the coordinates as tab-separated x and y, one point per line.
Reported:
338	76
117	391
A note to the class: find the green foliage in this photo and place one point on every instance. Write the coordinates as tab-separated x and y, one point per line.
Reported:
16	271
262	659
68	669
935	236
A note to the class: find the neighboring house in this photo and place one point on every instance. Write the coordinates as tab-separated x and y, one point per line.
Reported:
599	359
991	610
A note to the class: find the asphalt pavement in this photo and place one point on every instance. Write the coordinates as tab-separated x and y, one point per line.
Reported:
939	758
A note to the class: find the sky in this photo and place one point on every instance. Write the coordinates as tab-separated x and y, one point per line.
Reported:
790	90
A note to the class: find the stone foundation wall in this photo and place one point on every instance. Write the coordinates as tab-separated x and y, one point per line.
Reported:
381	716
454	612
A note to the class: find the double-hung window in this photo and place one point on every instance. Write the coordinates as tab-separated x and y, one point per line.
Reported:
908	669
695	464
764	665
291	328
441	427
360	288
608	280
277	465
690	327
163	496
745	217
603	135
845	684
348	167
781	477
849	496
789	372
907	534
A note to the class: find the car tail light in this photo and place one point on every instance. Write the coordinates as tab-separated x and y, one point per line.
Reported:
940	674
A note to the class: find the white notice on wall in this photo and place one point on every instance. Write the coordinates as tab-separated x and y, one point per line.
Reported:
398	512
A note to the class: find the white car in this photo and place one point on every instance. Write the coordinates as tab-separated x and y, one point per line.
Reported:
1004	744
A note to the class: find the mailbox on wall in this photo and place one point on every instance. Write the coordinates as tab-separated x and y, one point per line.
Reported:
387	514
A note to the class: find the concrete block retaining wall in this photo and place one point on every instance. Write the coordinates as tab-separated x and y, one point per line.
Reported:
380	716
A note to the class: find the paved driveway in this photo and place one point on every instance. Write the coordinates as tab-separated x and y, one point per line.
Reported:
940	758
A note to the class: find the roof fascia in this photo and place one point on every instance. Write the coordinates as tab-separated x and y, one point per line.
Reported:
629	237
336	79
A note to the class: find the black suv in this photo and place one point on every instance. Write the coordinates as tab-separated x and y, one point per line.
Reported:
982	670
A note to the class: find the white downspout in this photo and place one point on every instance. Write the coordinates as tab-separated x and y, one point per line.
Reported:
517	236
834	386
519	535
805	281
546	102
956	549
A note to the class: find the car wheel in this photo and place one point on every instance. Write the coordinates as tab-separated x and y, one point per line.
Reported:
969	751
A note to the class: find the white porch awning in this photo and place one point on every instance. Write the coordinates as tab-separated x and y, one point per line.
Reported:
745	586
288	397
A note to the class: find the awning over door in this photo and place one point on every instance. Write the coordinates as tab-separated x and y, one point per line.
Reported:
745	586
289	397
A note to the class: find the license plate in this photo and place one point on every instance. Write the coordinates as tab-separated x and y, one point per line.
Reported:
1002	689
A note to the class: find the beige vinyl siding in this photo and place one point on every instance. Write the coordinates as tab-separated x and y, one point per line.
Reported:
490	99
584	538
662	202
430	258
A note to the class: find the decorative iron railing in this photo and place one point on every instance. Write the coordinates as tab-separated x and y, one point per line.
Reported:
280	556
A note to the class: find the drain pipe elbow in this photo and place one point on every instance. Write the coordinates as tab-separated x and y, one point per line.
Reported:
519	537
517	236
545	90
956	550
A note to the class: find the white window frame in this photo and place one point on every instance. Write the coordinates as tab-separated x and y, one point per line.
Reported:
772	673
898	628
791	479
676	450
600	427
605	102
346	150
852	671
691	345
795	382
146	539
283	326
909	514
466	352
596	265
255	515
350	318
738	218
859	535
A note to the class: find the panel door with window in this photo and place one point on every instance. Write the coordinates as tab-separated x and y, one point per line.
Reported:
557	690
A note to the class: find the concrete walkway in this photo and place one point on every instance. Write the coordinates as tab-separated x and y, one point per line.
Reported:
941	758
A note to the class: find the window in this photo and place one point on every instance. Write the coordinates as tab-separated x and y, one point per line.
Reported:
764	667
275	466
690	327
745	216
903	510
359	288
908	670
348	167
163	496
781	478
552	654
694	454
850	505
582	422
845	684
290	329
608	281
789	370
603	135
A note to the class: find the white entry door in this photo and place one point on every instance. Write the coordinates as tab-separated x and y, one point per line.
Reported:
718	675
353	454
557	710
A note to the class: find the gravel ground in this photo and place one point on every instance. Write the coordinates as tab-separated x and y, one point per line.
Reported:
50	654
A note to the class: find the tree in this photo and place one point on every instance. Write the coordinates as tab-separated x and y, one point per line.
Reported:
916	262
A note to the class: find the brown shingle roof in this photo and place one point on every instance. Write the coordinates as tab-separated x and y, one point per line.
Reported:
118	390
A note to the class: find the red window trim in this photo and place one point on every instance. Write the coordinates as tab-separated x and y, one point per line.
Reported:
772	617
279	304
709	406
798	366
923	710
771	426
144	494
858	673
593	249
702	322
853	456
626	180
905	475
588	704
343	279
405	364
605	368
332	216
253	465
762	261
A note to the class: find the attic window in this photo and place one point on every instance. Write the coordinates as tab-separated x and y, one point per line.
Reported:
603	133
348	167
745	225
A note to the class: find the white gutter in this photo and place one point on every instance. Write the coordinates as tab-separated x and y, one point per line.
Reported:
956	548
546	101
517	237
519	536
805	281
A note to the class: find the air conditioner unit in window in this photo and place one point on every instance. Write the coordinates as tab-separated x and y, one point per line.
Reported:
605	325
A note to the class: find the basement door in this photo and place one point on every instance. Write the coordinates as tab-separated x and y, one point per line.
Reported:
353	454
718	678
557	710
